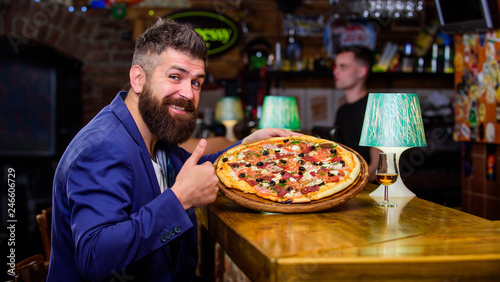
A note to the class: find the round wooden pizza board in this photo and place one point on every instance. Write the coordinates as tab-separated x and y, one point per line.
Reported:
257	203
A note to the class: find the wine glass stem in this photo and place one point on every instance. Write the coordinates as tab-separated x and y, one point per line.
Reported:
386	196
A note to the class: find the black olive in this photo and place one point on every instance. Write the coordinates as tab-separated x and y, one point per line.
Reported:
301	155
259	179
248	165
342	162
273	163
333	151
301	168
282	181
315	163
301	173
260	163
241	175
283	161
320	163
265	153
276	150
282	172
286	140
330	174
289	189
313	148
224	159
272	183
321	184
234	166
301	162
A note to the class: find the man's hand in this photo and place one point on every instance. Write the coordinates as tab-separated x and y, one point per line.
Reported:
196	185
268	133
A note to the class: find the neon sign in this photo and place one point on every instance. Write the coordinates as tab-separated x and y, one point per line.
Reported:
219	32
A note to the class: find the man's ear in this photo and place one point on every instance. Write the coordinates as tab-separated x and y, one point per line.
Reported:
362	71
137	78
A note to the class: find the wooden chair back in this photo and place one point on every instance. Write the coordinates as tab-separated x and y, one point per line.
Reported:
44	224
31	269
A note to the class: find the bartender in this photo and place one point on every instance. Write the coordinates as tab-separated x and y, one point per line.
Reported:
351	70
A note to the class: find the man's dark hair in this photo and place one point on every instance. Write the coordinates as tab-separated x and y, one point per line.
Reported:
165	34
361	53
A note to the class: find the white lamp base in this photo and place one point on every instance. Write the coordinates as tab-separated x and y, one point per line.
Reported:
397	189
229	124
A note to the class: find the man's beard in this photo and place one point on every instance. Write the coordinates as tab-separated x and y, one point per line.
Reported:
167	128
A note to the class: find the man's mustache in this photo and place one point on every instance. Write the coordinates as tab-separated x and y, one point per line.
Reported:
188	105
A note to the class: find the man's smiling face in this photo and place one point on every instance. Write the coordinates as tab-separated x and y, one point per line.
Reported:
171	95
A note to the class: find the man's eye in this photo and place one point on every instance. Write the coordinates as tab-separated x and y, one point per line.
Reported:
196	83
175	77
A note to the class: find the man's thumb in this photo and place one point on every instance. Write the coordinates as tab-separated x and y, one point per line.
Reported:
198	152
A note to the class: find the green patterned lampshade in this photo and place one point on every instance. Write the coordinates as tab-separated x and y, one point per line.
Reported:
280	112
393	120
229	108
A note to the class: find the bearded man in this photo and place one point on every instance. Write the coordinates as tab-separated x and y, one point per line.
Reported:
124	192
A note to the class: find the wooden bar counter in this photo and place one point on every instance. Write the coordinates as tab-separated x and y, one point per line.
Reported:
418	240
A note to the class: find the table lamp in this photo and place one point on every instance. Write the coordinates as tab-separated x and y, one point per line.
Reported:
229	111
280	112
393	124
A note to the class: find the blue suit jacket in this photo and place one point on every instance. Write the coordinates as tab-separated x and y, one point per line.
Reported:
109	218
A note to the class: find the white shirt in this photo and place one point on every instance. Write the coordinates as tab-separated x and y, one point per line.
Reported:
159	175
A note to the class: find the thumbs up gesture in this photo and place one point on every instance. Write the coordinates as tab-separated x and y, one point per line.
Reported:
196	185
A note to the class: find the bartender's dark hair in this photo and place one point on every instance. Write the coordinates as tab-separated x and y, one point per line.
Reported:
361	53
163	34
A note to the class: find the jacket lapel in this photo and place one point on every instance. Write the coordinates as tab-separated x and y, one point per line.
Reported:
122	113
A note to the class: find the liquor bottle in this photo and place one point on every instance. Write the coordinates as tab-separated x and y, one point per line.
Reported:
448	60
424	39
294	51
407	58
473	121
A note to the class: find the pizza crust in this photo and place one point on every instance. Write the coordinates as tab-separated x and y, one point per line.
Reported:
227	176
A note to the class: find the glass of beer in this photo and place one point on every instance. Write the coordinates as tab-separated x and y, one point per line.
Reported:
387	174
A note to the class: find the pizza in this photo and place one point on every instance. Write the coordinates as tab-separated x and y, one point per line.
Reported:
295	169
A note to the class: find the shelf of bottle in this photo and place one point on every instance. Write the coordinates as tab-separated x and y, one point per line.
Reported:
377	79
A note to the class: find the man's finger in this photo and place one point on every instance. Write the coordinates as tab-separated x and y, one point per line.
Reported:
198	152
